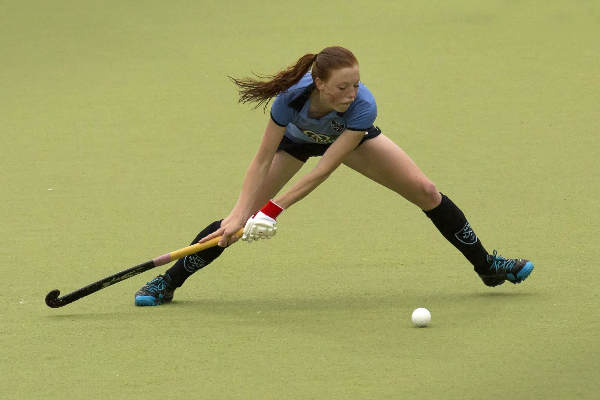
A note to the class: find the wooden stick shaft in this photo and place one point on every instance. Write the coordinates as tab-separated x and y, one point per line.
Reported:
52	299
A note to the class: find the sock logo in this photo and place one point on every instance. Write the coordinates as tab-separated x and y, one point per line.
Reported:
193	263
466	235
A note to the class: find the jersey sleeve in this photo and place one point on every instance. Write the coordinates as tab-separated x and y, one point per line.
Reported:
364	112
281	112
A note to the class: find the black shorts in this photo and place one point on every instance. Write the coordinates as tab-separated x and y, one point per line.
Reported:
302	151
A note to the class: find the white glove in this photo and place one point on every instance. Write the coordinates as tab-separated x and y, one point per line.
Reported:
260	226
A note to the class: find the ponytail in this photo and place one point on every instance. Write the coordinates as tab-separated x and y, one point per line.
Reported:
262	91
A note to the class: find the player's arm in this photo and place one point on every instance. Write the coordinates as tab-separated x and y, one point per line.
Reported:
258	169
255	174
263	224
361	118
332	158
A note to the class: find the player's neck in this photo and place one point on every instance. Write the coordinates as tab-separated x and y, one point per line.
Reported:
316	109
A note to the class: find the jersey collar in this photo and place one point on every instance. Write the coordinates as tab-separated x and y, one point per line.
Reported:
298	102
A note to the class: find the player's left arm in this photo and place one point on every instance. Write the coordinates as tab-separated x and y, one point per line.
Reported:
332	159
359	120
263	225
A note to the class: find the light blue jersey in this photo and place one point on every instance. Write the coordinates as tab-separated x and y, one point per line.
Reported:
290	109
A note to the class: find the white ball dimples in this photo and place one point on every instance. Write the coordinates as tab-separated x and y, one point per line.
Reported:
421	317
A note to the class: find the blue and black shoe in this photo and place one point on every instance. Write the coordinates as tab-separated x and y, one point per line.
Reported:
500	269
156	292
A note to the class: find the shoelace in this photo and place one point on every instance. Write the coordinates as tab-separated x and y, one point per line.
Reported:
501	263
157	284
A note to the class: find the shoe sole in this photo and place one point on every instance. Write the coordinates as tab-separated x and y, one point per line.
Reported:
493	283
522	274
142	301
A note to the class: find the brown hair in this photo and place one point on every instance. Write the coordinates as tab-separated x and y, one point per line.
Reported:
263	90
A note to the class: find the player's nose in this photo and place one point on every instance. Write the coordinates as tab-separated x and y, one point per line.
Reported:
352	95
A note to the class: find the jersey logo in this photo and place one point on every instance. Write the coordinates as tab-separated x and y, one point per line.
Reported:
338	126
319	137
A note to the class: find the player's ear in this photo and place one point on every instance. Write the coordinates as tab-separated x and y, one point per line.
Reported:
319	83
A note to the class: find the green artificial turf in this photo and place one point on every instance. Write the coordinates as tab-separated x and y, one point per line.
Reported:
122	138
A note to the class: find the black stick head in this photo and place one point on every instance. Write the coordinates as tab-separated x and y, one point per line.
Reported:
52	299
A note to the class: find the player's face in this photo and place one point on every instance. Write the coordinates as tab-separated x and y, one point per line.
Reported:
339	91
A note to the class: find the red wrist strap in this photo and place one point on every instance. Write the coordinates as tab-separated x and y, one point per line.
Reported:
271	209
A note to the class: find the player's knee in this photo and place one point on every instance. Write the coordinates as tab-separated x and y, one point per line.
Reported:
430	196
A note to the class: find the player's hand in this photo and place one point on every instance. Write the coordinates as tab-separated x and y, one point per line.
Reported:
229	230
262	225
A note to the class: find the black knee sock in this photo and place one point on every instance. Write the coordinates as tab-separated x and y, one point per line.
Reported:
186	266
453	224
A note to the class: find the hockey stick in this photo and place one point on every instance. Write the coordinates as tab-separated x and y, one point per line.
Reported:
52	299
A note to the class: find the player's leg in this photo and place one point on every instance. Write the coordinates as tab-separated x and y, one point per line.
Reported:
382	161
160	289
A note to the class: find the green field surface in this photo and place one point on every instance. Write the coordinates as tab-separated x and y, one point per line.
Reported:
122	138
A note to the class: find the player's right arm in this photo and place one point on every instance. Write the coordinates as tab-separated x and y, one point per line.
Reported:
257	171
255	174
